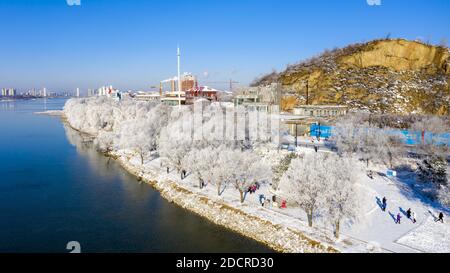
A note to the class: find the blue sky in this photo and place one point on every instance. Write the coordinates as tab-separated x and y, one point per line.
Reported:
131	44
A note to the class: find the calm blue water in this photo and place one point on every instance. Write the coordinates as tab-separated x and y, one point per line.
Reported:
54	188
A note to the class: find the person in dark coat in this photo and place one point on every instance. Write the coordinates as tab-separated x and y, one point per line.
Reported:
408	213
384	205
262	199
441	218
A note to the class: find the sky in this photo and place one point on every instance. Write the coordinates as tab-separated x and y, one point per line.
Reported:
131	44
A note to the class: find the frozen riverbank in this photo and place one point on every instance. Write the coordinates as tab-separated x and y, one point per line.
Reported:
257	223
275	230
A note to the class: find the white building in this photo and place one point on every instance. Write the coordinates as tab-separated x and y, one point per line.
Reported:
147	96
8	92
322	111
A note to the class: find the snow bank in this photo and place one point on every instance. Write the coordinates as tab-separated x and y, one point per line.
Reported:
429	237
51	113
276	236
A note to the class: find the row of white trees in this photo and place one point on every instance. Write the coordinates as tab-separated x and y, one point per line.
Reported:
370	144
324	184
354	135
320	184
159	130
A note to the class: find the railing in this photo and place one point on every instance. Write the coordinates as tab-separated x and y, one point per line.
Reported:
407	137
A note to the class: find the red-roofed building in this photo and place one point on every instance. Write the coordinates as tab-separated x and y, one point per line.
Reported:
204	92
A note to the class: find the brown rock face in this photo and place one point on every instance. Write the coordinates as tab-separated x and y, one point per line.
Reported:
399	55
383	76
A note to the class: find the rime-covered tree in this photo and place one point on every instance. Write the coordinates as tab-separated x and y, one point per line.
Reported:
279	169
347	135
354	137
305	183
246	169
433	169
435	125
220	172
137	135
105	141
342	195
199	163
175	140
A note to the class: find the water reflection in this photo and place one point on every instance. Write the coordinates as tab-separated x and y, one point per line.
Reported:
159	225
85	148
56	188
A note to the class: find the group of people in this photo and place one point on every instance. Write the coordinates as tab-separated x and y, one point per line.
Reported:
265	202
370	174
253	188
409	214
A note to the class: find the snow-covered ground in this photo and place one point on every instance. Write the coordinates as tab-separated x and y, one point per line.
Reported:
375	232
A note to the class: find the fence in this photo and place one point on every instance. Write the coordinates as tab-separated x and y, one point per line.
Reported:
408	137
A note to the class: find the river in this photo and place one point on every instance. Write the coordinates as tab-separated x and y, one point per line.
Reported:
55	188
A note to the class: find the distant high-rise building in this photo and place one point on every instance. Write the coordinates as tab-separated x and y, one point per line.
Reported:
8	92
12	92
78	92
188	81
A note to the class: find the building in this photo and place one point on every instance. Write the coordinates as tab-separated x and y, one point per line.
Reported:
174	98
147	96
204	92
188	82
107	91
320	111
8	92
259	98
245	99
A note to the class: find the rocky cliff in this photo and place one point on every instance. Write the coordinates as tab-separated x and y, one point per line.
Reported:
381	76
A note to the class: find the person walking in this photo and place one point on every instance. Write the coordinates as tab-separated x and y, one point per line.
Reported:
262	199
370	174
399	217
408	213
384	204
441	218
413	217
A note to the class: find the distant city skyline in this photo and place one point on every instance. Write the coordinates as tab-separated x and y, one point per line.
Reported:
132	44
